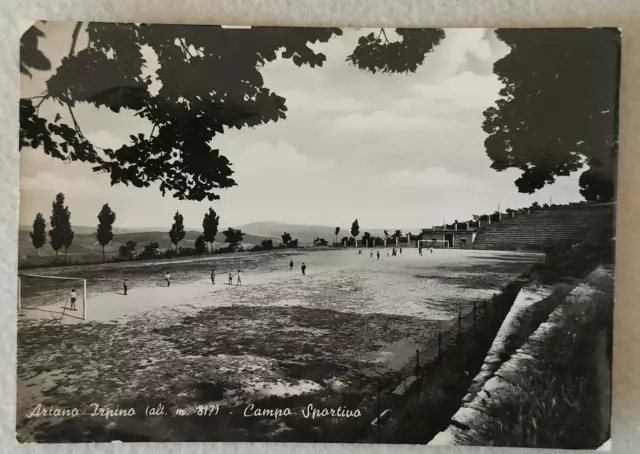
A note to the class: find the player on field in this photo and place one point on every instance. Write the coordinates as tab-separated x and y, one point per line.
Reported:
239	279
230	278
213	277
304	268
371	253
378	253
167	277
291	265
125	286
73	297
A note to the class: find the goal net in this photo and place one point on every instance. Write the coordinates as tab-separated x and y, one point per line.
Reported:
52	296
435	244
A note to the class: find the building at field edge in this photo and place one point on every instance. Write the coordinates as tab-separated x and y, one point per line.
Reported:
459	236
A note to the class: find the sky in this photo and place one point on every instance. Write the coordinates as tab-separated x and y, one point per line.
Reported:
393	151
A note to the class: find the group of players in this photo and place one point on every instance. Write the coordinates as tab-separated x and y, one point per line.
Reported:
167	279
238	276
393	252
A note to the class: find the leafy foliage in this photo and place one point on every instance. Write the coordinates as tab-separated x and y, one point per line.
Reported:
39	233
201	244
30	56
127	251
61	234
558	108
366	236
177	233
210	227
266	244
402	56
233	236
397	234
210	80
150	250
286	238
106	218
355	229
320	242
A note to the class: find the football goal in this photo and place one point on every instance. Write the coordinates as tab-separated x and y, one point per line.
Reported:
436	244
59	296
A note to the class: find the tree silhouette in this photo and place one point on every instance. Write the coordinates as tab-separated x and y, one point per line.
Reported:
355	230
558	109
397	234
128	250
386	234
319	241
233	236
39	233
210	227
366	236
61	234
286	238
210	81
106	218
150	250
402	56
201	244
337	232
176	234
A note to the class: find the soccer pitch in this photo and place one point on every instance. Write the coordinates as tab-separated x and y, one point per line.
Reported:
280	334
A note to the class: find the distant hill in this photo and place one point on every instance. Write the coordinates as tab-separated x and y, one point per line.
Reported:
86	247
307	233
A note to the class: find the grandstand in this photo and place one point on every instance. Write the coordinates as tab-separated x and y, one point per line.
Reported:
541	229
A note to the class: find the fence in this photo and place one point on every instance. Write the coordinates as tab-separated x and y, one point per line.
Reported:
460	344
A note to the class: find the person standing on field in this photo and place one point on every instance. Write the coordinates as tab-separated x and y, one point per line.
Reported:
378	253
73	297
304	268
125	286
230	278
213	277
167	277
291	265
239	279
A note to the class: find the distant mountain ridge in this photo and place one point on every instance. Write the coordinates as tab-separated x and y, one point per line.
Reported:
255	232
307	233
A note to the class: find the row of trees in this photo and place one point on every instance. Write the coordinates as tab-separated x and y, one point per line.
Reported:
366	236
60	234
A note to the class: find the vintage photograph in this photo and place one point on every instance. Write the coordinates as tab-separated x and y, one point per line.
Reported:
293	234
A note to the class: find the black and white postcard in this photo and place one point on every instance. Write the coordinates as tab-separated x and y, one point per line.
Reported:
325	235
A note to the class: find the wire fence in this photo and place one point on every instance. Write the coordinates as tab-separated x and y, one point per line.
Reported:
454	340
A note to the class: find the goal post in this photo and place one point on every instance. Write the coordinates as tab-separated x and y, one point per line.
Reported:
436	244
52	294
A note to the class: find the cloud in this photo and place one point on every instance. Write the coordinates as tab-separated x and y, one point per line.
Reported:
433	177
300	100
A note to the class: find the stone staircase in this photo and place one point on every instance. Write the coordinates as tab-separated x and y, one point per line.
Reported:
536	231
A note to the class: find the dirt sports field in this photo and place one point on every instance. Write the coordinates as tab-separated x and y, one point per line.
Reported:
281	340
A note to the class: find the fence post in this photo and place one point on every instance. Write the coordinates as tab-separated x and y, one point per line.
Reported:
417	364
474	316
439	345
459	324
378	411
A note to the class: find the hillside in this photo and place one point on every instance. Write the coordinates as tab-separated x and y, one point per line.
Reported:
86	247
307	233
